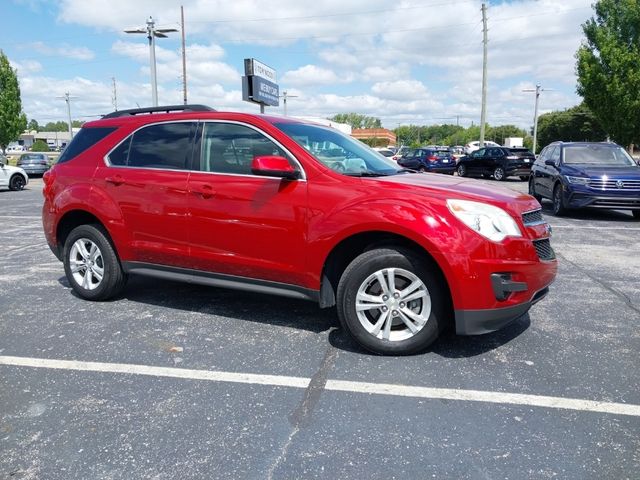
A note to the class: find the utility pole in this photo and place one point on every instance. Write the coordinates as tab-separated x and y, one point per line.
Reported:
537	91
284	100
483	114
114	96
184	56
152	32
67	98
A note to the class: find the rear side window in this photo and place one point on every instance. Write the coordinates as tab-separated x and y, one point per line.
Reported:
167	145
84	139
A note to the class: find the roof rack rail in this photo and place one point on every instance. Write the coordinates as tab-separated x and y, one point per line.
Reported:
165	109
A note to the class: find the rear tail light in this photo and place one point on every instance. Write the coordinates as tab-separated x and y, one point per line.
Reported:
432	158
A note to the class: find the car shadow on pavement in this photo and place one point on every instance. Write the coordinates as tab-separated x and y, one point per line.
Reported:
293	313
236	304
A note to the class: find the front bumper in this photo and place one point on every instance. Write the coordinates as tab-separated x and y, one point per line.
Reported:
623	202
477	322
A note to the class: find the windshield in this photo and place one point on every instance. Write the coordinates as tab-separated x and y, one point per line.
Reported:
603	155
338	151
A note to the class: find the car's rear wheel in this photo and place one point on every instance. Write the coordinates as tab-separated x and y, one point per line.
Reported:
422	169
391	302
532	191
524	178
462	171
636	214
17	182
91	264
498	173
559	207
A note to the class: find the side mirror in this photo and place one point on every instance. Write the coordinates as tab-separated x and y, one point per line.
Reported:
274	166
550	162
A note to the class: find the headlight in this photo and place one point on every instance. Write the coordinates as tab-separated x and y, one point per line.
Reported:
577	180
489	221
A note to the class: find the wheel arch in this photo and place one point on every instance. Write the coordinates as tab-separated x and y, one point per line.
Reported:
344	252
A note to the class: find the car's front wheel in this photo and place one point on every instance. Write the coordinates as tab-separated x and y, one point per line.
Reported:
392	302
91	264
462	171
17	182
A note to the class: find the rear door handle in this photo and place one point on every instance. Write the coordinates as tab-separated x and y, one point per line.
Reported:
116	180
206	191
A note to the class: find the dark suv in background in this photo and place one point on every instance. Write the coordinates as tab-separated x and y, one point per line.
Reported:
429	160
497	162
580	174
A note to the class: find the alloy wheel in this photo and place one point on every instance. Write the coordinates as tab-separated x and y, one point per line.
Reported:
87	264
393	304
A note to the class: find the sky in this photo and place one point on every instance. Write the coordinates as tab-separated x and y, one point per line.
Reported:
406	62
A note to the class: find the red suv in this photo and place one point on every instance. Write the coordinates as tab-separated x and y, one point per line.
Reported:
280	206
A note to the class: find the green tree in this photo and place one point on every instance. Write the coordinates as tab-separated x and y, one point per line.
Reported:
575	124
608	69
56	127
12	120
357	120
40	146
33	125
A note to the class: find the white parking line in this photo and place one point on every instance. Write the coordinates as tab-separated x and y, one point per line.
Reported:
332	385
30	217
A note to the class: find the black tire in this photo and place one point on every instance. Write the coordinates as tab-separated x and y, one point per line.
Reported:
462	171
498	174
532	191
113	279
360	273
559	207
636	214
524	178
17	182
422	169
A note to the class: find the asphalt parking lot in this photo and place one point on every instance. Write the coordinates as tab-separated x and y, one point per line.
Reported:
179	381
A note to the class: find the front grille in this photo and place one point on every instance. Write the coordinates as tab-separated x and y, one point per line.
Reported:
612	184
532	218
543	249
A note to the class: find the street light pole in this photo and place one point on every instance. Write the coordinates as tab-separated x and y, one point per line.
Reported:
152	32
537	91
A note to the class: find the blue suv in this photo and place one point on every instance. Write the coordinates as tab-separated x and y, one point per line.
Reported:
581	174
429	160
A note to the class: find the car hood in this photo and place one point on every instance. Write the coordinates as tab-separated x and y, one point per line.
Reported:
598	172
447	187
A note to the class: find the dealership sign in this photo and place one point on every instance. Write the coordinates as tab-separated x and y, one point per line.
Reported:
259	84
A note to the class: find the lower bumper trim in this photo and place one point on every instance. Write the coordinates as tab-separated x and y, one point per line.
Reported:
477	322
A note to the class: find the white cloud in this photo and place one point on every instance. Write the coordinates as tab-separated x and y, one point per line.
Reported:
309	75
63	50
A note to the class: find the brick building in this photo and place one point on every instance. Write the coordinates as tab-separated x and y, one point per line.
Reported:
382	136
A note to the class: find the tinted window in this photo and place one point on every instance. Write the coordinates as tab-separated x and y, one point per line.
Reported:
120	154
230	148
555	155
167	145
84	139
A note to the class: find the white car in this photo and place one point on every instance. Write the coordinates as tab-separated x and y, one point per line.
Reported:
473	146
13	178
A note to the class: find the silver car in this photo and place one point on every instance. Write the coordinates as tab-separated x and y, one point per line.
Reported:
34	163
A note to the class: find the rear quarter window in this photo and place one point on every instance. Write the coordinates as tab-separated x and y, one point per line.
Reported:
84	139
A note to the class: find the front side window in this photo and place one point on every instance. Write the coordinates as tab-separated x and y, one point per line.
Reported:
338	151
231	148
555	155
166	145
